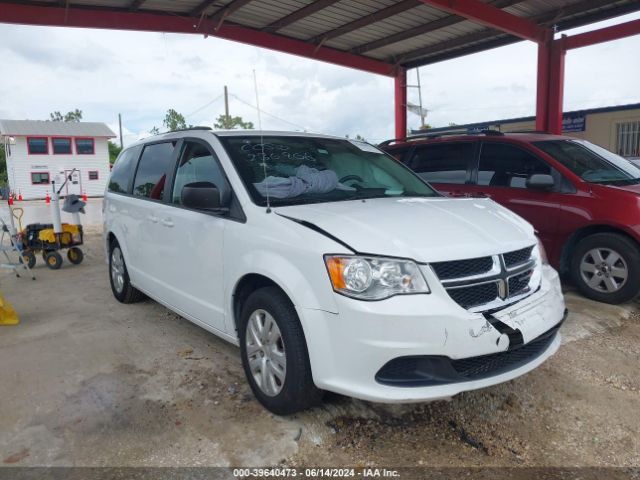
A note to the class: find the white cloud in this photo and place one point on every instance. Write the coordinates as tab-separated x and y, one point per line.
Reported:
141	75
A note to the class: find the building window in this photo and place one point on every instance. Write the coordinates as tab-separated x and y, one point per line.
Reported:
61	146
628	135
40	178
38	145
85	146
93	175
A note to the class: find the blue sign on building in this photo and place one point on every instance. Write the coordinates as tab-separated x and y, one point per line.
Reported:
573	123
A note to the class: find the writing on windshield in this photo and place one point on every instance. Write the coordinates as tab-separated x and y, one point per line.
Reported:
293	170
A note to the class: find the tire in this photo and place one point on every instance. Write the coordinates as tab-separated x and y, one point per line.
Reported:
606	268
75	255
29	258
293	389
119	277
53	260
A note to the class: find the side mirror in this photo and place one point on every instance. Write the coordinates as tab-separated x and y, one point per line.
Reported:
540	181
202	196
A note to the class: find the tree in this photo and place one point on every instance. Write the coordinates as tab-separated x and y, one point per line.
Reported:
3	167
73	116
114	151
228	122
174	121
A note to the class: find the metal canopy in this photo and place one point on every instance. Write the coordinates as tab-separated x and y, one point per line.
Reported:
372	35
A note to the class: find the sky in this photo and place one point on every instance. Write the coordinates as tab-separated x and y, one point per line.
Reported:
142	75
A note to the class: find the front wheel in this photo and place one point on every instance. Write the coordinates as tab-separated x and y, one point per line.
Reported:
53	260
29	259
274	353
606	268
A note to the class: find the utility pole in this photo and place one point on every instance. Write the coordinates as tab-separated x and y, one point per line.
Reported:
226	102
420	99
120	126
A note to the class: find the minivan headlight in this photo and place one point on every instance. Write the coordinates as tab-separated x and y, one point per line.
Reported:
374	278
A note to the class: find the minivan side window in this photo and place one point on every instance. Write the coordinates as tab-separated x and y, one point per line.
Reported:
151	175
123	169
504	165
443	163
197	164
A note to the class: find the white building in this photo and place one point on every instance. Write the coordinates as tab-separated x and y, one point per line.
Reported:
39	152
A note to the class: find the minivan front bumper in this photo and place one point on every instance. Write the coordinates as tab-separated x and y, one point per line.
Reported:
424	347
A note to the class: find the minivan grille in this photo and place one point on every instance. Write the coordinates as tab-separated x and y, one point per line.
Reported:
474	295
462	268
517	257
476	282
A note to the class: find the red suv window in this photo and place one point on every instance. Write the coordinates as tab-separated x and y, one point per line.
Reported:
447	162
505	165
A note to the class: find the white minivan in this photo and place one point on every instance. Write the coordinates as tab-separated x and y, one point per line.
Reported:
331	265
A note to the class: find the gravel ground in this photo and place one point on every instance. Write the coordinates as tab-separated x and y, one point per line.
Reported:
88	381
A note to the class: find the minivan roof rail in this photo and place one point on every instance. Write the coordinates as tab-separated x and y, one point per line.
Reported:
190	128
419	136
538	132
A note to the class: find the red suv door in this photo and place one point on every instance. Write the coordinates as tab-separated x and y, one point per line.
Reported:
502	173
447	166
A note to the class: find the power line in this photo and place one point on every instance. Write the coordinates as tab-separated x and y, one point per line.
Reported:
267	113
204	106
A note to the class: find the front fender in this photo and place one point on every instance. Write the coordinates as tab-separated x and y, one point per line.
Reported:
305	281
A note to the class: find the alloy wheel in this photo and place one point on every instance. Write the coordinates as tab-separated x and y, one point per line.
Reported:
117	269
265	352
604	270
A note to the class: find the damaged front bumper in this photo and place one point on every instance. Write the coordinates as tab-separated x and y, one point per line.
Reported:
425	347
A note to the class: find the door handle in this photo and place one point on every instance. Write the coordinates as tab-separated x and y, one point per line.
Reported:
152	218
167	222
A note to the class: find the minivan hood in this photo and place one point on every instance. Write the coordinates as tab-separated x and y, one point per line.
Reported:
423	229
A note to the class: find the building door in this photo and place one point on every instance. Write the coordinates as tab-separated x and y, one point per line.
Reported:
73	186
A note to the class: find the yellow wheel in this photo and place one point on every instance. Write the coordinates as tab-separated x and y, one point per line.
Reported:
54	260
75	255
29	259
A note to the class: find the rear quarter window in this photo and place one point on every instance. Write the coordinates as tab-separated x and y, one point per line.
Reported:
446	162
123	170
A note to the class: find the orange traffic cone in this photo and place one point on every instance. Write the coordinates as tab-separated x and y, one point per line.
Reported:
19	196
47	199
84	196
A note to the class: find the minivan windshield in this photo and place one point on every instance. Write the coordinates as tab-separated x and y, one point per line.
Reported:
592	163
294	170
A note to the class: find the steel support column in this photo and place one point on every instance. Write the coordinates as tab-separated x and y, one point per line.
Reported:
400	88
550	86
542	86
556	86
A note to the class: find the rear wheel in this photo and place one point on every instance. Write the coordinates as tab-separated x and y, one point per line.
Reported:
606	268
75	255
119	277
274	353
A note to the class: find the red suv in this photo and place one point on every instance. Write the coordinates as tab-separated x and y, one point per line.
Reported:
583	200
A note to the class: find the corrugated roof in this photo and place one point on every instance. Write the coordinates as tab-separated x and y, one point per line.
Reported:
41	127
409	33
